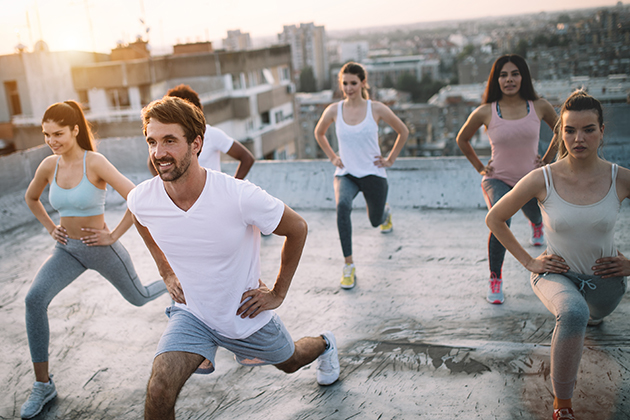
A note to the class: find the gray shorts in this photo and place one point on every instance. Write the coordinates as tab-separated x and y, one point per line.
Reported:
270	345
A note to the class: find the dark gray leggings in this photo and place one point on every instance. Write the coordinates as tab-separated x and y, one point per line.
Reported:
374	189
572	298
65	264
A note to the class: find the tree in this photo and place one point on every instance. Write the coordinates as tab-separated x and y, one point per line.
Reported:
307	80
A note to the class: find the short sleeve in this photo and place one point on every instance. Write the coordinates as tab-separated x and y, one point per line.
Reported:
217	139
260	208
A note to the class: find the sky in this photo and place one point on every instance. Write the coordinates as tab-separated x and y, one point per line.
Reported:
97	25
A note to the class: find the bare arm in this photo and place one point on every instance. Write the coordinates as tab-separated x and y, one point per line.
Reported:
328	117
384	113
294	228
245	158
42	177
164	268
618	265
480	116
108	173
532	185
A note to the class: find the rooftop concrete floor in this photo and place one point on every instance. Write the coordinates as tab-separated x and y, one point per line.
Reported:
416	337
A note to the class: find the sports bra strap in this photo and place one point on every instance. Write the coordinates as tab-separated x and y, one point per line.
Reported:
548	180
84	164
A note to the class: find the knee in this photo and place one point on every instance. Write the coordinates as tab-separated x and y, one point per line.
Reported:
158	390
33	301
574	315
344	207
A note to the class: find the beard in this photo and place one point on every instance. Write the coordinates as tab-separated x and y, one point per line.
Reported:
178	169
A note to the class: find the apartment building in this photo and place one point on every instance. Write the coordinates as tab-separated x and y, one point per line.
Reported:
308	49
248	94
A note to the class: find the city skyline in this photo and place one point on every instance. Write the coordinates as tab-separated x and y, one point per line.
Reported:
89	25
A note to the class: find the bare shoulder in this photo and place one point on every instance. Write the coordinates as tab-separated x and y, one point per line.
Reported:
533	184
481	115
331	110
623	181
47	166
543	106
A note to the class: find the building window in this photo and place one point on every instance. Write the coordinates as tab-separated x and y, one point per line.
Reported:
279	117
118	98
265	118
13	97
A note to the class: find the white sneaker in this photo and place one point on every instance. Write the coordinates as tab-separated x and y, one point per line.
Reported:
40	395
328	362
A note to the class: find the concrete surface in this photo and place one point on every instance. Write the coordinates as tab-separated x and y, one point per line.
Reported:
416	336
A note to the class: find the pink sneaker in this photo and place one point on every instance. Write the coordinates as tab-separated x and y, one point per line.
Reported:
538	236
563	414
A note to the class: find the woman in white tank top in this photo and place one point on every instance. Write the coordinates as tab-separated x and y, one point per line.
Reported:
580	278
359	164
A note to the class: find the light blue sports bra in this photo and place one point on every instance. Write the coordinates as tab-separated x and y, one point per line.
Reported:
81	201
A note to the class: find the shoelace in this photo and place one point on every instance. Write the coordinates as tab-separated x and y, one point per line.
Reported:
564	414
347	271
538	232
38	393
324	364
495	284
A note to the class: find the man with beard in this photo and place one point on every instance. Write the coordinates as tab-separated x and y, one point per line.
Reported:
203	229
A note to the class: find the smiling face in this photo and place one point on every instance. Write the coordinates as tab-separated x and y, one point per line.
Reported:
60	138
510	79
170	152
582	133
351	85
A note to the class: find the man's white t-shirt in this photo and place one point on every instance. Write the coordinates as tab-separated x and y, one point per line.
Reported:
214	247
215	141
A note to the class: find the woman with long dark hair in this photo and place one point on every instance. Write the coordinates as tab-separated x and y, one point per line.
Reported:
512	112
78	177
581	277
359	164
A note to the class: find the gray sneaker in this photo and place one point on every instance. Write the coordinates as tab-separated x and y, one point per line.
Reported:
40	395
328	362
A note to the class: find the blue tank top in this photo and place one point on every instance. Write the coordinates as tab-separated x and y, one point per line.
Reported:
81	201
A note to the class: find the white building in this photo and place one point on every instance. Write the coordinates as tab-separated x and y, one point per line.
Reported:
237	41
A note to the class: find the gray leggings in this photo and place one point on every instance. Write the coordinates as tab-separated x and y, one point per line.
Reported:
65	264
572	298
347	187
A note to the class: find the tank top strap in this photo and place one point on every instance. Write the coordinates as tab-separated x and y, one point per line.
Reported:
548	180
84	165
369	110
56	168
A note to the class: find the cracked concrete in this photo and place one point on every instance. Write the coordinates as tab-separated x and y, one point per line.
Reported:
416	336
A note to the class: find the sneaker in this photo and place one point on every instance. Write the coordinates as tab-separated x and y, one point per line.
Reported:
538	236
592	322
347	280
328	362
563	414
387	225
40	395
495	292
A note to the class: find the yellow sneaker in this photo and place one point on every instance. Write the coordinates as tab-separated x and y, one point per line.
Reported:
387	225
347	280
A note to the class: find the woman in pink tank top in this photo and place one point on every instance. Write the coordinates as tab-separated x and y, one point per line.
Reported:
511	112
580	196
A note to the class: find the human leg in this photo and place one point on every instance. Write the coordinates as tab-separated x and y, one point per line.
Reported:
170	372
493	190
374	190
59	270
345	192
562	298
114	263
531	210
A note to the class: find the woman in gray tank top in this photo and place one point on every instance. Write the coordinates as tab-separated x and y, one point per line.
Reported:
581	277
